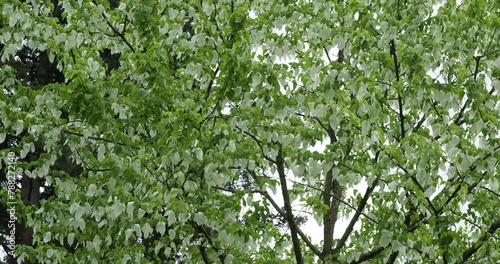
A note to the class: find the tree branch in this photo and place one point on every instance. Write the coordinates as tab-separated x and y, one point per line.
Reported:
259	143
211	83
204	254
120	34
476	69
332	192
473	249
368	255
94	138
491	191
458	121
337	198
400	100
306	240
355	218
393	257
207	235
327	55
419	124
414	179
288	207
332	189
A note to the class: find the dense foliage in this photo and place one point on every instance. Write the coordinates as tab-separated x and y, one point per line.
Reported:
206	131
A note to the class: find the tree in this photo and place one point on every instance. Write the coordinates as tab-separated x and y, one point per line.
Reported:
157	131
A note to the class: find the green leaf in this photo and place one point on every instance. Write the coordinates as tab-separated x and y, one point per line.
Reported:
138	131
198	153
160	227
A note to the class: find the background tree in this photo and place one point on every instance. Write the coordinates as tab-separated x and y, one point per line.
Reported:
157	131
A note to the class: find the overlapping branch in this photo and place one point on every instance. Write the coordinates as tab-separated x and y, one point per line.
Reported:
303	236
354	219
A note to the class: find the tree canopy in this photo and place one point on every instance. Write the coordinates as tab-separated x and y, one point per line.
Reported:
209	131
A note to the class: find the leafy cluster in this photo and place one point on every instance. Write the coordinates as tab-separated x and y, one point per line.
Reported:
206	131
